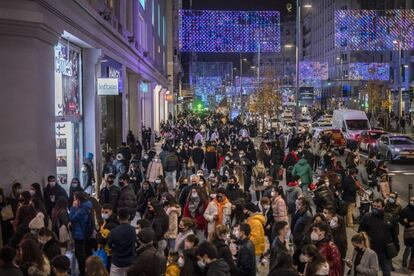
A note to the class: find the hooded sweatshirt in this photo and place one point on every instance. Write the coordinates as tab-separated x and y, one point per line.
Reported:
257	235
304	171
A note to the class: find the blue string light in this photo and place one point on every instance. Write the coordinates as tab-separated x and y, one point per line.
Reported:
369	71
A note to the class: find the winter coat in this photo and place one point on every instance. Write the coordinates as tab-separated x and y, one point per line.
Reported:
122	240
280	271
323	198
211	160
199	220
198	155
276	248
51	195
80	219
339	236
32	269
144	263
329	250
72	192
277	155
212	210
257	236
280	212
51	249
11	270
246	259
174	212
127	200
234	192
304	171
224	253
349	189
368	266
109	194
407	213
259	174
291	195
154	170
171	162
299	225
142	199
241	174
378	230
218	267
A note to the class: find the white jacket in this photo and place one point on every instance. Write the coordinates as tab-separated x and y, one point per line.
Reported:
212	210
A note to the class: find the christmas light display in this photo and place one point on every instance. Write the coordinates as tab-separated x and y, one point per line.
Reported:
309	70
205	86
370	30
229	31
369	71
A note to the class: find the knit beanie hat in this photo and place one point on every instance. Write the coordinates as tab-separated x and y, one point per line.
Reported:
146	235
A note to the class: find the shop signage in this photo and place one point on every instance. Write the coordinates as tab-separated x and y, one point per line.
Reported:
107	86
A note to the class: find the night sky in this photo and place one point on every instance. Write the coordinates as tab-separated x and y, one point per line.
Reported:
241	5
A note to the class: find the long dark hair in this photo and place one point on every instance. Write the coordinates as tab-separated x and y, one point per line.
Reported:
61	205
158	209
30	253
317	259
38	190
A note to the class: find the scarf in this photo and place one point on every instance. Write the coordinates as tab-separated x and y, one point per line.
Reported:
193	205
220	206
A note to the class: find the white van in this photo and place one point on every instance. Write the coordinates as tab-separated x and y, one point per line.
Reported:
352	122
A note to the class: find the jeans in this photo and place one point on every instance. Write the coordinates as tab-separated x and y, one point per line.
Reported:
385	264
80	254
171	180
118	271
406	255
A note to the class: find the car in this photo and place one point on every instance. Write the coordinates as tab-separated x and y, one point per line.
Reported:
319	126
395	147
369	139
352	122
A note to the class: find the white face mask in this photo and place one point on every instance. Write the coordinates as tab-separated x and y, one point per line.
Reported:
32	192
334	222
236	233
105	216
201	264
272	194
180	262
314	236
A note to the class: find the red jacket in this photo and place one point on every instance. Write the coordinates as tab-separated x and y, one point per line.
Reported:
199	220
329	250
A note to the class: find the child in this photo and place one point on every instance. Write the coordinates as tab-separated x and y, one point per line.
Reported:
172	268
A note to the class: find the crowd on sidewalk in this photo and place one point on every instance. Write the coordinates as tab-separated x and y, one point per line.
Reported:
215	200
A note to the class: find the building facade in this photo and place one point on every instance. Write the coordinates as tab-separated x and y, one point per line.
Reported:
79	75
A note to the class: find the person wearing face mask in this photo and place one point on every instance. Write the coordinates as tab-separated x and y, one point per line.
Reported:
293	192
245	251
315	262
364	261
16	190
208	260
303	169
320	236
110	221
74	187
173	210
36	191
218	211
154	169
225	165
127	198
220	239
349	195
256	221
299	224
198	156
49	242
171	167
259	175
194	208
382	238
279	208
52	193
211	158
338	229
109	194
406	219
233	191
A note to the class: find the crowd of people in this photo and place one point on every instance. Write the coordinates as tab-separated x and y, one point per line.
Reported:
215	200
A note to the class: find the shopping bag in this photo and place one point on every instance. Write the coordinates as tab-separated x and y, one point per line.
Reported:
102	255
7	213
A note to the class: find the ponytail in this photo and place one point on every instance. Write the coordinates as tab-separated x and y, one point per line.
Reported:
361	238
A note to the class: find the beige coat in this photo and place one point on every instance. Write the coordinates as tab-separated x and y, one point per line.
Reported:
154	170
173	213
211	210
368	266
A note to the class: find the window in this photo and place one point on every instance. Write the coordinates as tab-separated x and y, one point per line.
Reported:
142	2
159	20
142	32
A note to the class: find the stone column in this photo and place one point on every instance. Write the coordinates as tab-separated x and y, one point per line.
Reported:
134	105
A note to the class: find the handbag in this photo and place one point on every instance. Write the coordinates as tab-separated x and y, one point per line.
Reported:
409	233
7	213
391	250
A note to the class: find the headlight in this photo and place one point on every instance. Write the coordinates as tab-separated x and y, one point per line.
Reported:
397	150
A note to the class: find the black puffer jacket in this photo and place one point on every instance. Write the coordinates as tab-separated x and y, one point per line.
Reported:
127	200
324	198
277	155
218	268
225	254
109	194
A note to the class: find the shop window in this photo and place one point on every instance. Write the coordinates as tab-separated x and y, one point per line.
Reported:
68	111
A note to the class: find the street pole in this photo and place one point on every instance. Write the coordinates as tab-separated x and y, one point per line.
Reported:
399	79
241	76
297	61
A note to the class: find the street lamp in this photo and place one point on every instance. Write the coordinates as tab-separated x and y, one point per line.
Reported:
298	35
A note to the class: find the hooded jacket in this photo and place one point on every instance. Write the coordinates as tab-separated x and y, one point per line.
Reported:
109	194
128	200
212	210
80	218
304	171
173	213
292	194
257	236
